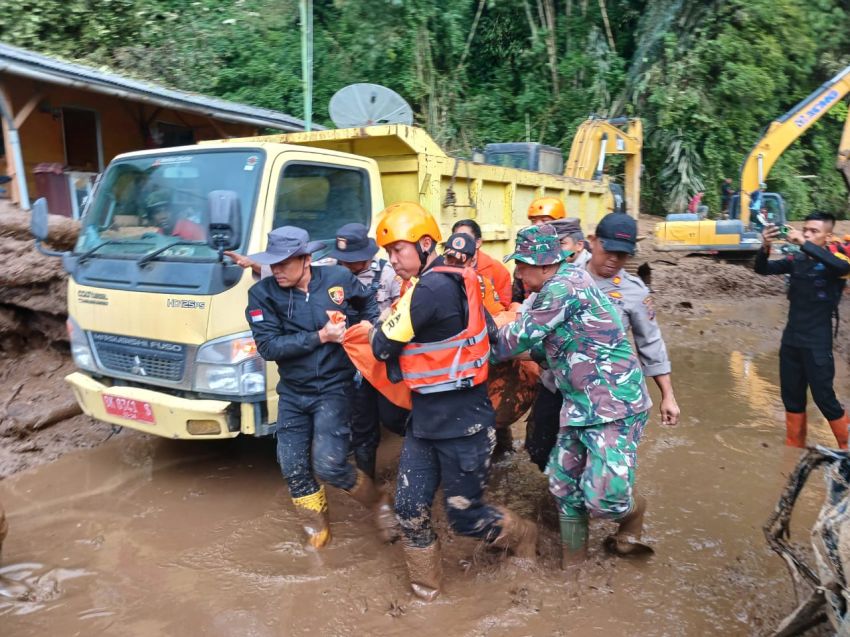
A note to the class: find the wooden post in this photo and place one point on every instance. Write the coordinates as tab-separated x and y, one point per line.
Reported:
14	190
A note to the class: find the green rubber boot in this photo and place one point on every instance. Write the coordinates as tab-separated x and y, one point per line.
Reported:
574	532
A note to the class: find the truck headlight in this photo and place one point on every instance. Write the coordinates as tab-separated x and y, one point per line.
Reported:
230	365
80	348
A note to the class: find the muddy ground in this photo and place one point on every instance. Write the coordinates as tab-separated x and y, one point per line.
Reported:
143	536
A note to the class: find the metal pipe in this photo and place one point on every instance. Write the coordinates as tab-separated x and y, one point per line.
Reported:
600	166
17	154
306	9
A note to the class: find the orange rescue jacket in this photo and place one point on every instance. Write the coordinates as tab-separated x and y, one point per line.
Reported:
458	362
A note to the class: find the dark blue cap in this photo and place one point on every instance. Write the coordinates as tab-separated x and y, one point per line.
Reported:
617	232
286	242
353	244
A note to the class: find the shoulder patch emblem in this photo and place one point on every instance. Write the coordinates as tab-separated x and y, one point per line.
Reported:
337	294
650	308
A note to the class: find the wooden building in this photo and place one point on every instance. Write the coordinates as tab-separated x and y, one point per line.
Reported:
62	123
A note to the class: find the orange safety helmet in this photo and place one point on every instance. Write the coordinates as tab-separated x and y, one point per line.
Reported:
547	207
406	221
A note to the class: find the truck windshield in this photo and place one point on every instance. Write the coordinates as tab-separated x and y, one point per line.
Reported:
146	203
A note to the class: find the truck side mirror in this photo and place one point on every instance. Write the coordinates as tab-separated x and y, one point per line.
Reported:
38	219
225	226
39	227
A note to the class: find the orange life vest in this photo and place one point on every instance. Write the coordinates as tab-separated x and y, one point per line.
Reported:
454	363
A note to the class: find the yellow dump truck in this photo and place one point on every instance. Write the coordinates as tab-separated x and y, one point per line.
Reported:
156	310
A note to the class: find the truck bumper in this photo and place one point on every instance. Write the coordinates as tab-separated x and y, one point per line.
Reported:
172	417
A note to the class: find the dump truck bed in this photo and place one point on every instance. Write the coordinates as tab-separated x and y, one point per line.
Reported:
413	167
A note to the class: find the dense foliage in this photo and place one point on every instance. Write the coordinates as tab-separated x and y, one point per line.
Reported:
706	77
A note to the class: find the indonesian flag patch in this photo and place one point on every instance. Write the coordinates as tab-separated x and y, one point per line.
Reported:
337	294
256	315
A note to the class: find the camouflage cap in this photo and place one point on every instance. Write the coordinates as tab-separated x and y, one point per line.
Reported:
537	245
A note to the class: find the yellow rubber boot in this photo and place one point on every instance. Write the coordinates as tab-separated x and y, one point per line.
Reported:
313	509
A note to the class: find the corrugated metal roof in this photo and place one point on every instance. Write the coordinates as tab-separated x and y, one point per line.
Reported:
41	67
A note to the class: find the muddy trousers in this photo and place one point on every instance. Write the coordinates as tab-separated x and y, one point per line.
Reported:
813	368
541	429
313	436
592	469
461	467
369	410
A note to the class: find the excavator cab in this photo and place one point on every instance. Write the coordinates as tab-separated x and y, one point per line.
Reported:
772	209
526	155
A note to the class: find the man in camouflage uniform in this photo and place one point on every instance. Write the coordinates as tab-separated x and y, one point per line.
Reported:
614	242
573	328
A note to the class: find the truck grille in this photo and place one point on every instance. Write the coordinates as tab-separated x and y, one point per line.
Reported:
139	357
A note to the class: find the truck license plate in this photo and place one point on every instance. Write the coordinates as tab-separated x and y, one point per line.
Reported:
129	408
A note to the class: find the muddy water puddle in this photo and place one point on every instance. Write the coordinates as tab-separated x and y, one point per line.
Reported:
145	536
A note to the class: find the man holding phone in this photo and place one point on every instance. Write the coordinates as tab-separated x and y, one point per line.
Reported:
805	356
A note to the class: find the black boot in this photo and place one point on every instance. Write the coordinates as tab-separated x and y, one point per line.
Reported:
365	459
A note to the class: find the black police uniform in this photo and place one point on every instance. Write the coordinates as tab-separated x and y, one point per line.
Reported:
805	356
370	409
450	434
315	388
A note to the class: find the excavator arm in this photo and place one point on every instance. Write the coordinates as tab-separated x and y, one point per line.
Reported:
597	138
782	132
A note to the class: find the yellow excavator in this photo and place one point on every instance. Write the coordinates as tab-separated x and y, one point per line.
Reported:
689	233
595	139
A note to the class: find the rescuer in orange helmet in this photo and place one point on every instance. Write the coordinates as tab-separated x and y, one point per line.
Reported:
436	343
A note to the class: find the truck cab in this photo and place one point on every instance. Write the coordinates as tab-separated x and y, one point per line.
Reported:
156	314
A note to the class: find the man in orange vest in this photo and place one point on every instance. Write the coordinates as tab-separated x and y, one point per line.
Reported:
436	343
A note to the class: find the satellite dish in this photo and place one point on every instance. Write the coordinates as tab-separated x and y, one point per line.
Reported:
367	105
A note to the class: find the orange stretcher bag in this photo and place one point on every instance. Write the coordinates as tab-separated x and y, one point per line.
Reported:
359	350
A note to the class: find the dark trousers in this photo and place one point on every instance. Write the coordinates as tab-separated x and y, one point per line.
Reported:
541	429
814	368
313	434
461	465
369	410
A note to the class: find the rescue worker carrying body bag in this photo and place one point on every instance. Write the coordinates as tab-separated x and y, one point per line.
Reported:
436	343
